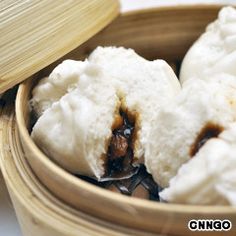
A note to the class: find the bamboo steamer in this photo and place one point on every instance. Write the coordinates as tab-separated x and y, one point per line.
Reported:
158	33
38	211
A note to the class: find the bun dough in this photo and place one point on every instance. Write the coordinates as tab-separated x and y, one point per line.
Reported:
195	149
215	51
63	79
75	129
143	86
201	109
212	174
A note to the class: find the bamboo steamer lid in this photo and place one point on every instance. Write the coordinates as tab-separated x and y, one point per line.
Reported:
36	33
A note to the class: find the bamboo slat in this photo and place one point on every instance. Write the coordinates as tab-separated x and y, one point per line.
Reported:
35	33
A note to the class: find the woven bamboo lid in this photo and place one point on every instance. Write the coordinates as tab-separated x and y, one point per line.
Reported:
35	33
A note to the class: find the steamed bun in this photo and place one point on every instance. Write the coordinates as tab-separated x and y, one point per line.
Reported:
215	51
210	177
76	122
75	130
202	110
145	86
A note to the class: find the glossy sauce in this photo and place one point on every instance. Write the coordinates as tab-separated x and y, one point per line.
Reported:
120	151
121	176
209	131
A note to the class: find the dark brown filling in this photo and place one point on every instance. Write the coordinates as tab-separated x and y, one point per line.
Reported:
209	131
121	176
120	151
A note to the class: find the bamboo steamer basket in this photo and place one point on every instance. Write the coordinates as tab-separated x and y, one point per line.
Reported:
164	33
38	211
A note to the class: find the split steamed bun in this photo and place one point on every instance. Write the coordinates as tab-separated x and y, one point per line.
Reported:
215	51
143	85
210	177
75	126
202	110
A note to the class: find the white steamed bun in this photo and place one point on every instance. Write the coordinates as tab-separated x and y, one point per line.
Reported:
210	177
75	129
202	105
143	85
215	51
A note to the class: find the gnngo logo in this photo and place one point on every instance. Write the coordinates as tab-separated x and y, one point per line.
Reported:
209	225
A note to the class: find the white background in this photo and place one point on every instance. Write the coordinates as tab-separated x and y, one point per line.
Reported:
8	221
